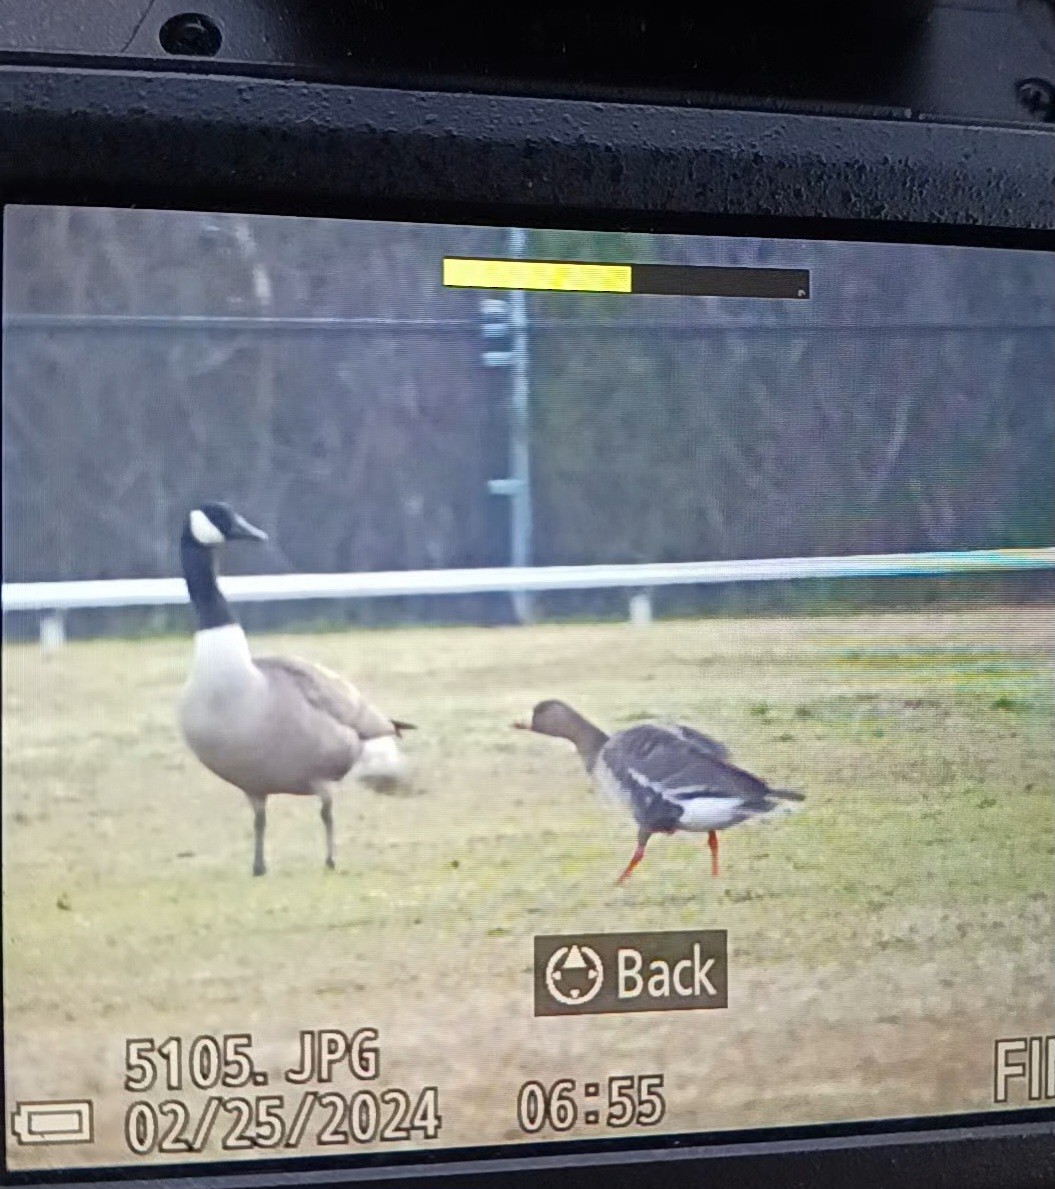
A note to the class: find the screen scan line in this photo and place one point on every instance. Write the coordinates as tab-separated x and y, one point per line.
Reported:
617	697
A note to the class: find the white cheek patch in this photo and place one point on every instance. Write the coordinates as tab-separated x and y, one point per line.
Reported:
203	530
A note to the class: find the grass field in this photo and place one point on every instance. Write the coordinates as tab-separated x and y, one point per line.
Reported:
880	939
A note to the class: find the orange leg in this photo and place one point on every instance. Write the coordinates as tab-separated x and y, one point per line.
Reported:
712	843
636	857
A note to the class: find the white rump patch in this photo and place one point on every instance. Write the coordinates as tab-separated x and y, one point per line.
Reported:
711	813
203	530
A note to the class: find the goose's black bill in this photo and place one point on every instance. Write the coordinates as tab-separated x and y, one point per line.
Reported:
242	530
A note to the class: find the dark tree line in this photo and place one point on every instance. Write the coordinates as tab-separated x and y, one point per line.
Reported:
907	405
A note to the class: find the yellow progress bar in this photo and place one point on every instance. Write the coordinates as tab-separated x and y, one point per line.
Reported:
459	272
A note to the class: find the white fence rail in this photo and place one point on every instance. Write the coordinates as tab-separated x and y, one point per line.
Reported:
52	599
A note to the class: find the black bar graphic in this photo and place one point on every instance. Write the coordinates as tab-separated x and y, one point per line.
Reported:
686	280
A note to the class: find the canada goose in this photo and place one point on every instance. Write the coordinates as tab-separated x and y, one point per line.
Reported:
670	777
266	724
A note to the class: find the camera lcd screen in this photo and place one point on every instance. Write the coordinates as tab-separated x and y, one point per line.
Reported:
470	687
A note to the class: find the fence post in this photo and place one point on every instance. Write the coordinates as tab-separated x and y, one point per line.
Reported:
641	609
506	320
52	631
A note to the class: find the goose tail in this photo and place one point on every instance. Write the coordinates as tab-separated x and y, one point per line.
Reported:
382	766
787	794
781	801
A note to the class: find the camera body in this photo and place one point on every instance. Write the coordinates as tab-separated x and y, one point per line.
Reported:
904	120
923	135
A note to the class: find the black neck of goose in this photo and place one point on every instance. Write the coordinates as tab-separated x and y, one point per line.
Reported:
199	571
590	747
588	740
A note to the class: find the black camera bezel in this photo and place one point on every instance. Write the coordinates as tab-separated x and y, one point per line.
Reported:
84	135
126	137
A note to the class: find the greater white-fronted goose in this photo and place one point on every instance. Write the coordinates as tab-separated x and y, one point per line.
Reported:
670	777
268	724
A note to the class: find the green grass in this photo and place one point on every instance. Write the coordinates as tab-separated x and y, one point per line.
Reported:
913	891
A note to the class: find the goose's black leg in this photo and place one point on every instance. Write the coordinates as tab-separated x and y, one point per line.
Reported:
712	843
643	836
326	813
259	805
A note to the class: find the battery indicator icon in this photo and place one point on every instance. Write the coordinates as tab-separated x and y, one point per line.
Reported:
53	1122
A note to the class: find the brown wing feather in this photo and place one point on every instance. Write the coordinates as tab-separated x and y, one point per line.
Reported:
331	694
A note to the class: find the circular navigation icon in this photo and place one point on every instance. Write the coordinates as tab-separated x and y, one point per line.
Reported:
574	974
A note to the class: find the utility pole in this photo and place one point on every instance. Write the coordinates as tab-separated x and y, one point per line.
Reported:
507	319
